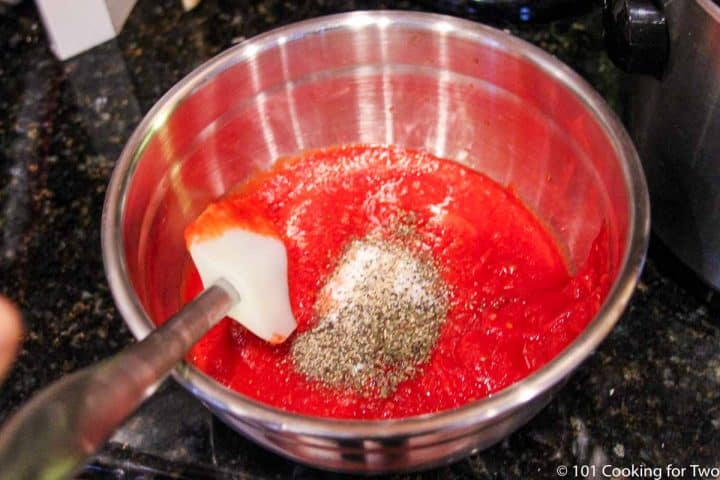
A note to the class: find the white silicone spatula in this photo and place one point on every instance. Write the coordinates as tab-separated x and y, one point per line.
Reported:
256	266
60	427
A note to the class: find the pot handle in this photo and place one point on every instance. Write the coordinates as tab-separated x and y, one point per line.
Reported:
636	35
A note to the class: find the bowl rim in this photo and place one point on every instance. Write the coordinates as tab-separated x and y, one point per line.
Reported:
711	8
488	409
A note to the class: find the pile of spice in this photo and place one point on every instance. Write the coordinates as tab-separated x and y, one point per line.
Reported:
378	317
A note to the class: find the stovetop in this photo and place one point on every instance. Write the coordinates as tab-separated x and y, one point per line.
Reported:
650	395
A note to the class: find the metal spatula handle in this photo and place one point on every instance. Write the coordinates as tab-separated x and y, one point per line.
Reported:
53	435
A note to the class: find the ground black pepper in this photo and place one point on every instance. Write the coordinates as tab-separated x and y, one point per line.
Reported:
378	316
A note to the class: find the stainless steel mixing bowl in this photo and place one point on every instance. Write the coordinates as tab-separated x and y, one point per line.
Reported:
452	87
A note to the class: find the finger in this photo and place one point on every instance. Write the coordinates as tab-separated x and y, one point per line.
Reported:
10	334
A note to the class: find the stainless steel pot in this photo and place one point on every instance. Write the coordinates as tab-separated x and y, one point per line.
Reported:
452	87
675	122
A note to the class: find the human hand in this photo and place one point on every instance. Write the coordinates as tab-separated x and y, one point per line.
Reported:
10	334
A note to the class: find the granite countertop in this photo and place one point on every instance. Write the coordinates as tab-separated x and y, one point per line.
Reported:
650	395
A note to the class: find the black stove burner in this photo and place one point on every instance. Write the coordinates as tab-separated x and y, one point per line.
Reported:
511	11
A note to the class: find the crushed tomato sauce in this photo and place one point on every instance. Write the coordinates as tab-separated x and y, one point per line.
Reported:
512	304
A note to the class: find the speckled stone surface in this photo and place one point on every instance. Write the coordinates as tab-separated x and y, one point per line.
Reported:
650	395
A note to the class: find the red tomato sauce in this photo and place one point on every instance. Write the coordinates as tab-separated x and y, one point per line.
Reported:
512	306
